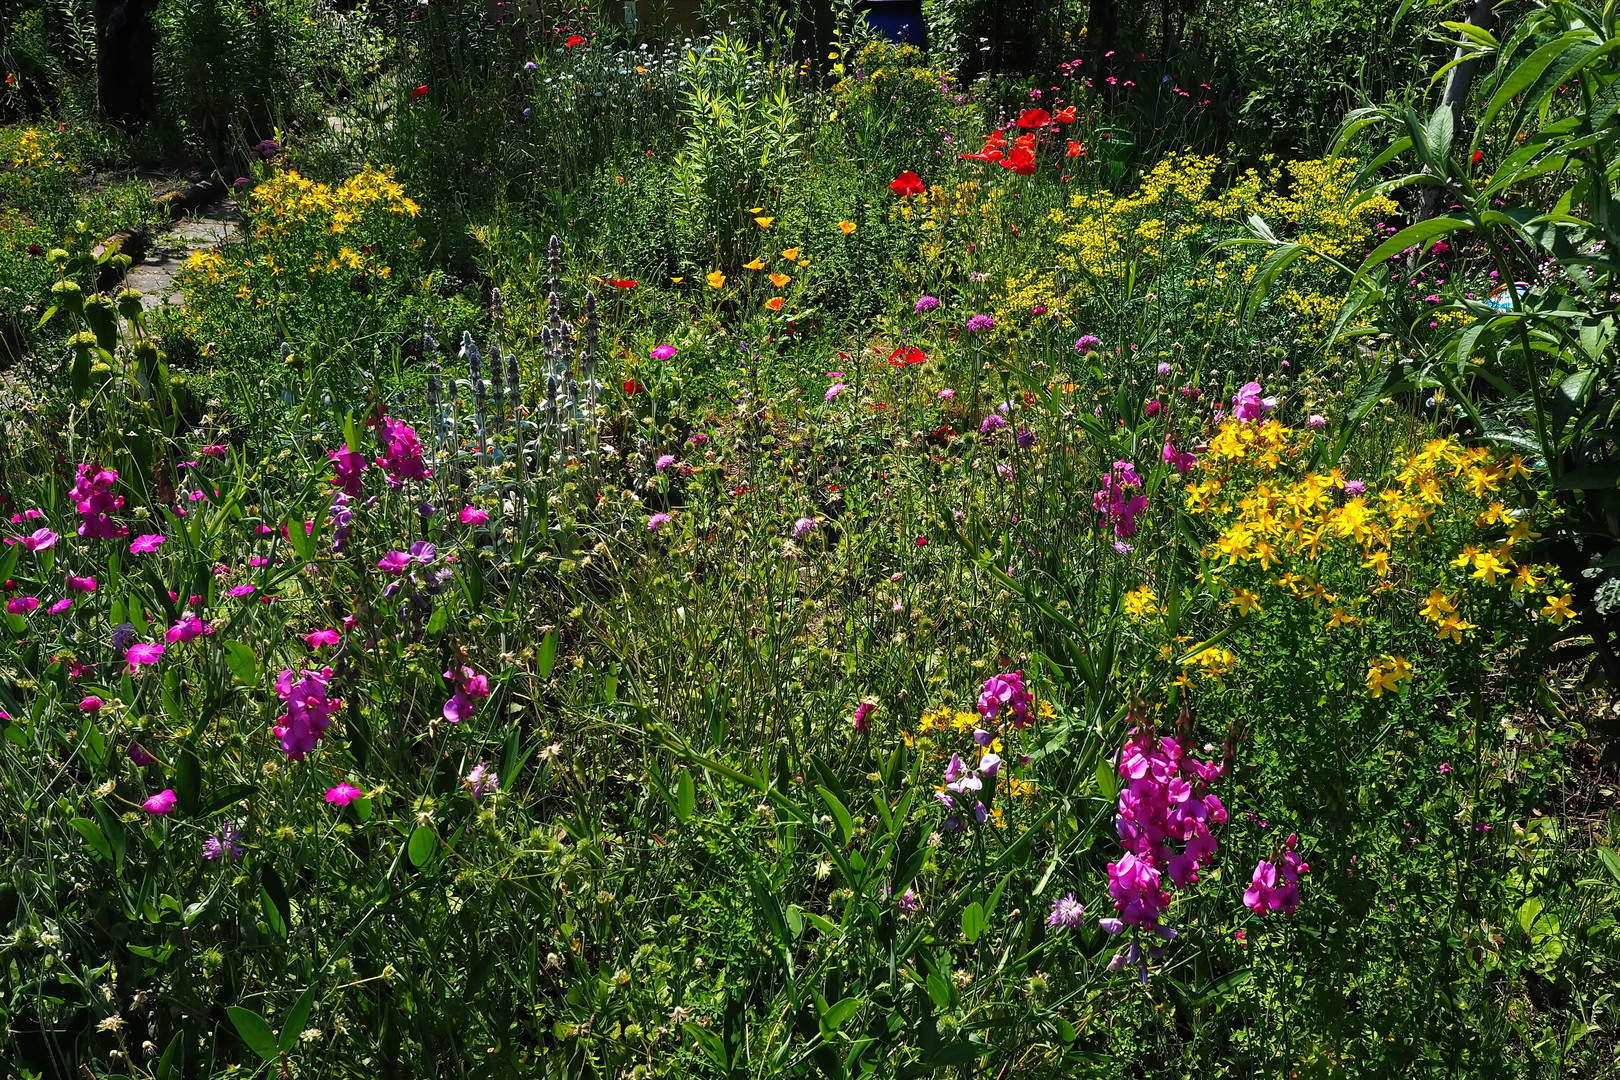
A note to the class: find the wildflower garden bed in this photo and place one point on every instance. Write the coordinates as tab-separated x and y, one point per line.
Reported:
778	555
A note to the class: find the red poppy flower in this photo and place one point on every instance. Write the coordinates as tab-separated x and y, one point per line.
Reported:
1025	142
902	356
1075	150
623	284
989	153
1065	117
633	387
573	39
419	92
1479	155
907	183
1022	161
1034	118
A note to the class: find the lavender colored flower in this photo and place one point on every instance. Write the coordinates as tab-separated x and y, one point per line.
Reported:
907	903
424	552
1087	344
658	521
992	423
224	844
1316	421
802	527
980	323
833	391
481	781
1026	439
1067	914
1355	488
927	303
1164	368
664	462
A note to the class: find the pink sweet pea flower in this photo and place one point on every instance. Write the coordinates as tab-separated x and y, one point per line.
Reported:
187	629
161	803
40	540
394	562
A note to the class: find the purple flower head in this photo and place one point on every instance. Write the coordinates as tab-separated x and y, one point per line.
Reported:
348	464
123	636
137	753
802	527
471	688
161	803
992	422
980	323
1087	344
1119	500
1067	914
1006	691
40	540
1180	460
664	462
658	521
225	844
1316	421
907	903
833	391
946	394
1025	438
1355	488
926	303
1164	368
862	711
481	781
424	552
93	498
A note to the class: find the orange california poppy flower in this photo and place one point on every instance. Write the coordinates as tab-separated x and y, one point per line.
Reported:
774	303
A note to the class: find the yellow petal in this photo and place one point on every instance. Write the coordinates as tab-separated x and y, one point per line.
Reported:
790	253
757	264
764	222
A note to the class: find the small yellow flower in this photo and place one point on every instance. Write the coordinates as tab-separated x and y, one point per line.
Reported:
1438	606
790	253
764	222
756	264
676	280
1245	601
780	280
1487	567
847	226
1453	627
756	210
1386	674
1558	609
716	279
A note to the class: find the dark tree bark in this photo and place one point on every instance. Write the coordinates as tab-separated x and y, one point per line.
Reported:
1102	28
125	42
1459	80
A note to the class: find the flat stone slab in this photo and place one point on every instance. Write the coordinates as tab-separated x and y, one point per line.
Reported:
207	227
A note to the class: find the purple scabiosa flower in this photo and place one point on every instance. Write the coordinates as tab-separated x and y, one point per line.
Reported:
980	323
993	422
1087	344
664	462
226	844
802	527
1164	368
123	636
1067	914
1355	488
481	781
658	521
1025	438
946	394
1316	421
926	303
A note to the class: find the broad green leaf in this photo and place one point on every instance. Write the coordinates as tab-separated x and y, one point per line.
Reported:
254	1031
548	654
292	1025
838	1014
974	921
278	908
242	663
422	846
840	813
93	837
685	796
1105	780
188	781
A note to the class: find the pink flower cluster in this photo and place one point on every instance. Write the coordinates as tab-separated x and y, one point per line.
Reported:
1180	460
92	496
1119	500
1006	691
1265	893
471	687
965	783
308	713
1248	405
348	464
1165	799
402	460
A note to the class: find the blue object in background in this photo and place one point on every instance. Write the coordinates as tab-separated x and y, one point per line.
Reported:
901	21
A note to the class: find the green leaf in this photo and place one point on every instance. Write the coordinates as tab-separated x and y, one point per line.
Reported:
840	813
292	1026
548	654
836	1015
1610	860
94	839
685	796
974	921
254	1031
243	664
278	908
422	846
822	923
188	781
225	797
1421	233
439	619
1105	780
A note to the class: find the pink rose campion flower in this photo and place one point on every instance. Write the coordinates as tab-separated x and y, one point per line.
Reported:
21	605
161	803
662	352
60	606
308	711
316	638
471	515
93	498
343	794
140	655
471	688
81	584
91	704
148	543
241	590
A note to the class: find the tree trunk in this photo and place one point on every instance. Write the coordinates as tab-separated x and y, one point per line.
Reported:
125	42
1459	80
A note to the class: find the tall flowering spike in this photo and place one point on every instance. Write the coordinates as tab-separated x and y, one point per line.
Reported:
554	259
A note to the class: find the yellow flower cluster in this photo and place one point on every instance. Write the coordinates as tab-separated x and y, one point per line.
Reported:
35	149
289	202
1300	530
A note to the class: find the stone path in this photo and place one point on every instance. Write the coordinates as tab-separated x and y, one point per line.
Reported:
206	227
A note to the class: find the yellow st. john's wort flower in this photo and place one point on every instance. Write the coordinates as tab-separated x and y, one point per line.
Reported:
1141	603
1245	601
1558	609
1386	674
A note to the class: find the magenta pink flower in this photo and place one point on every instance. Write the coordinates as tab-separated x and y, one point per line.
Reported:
143	544
140	655
308	711
137	753
394	562
93	498
21	605
862	711
664	462
81	584
1006	691
471	688
1248	405
187	629
1180	460
240	591
343	794
316	638
1119	500
658	521
402	459
60	606
662	352
40	540
1275	886
215	450
348	465
91	704
471	515
161	803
